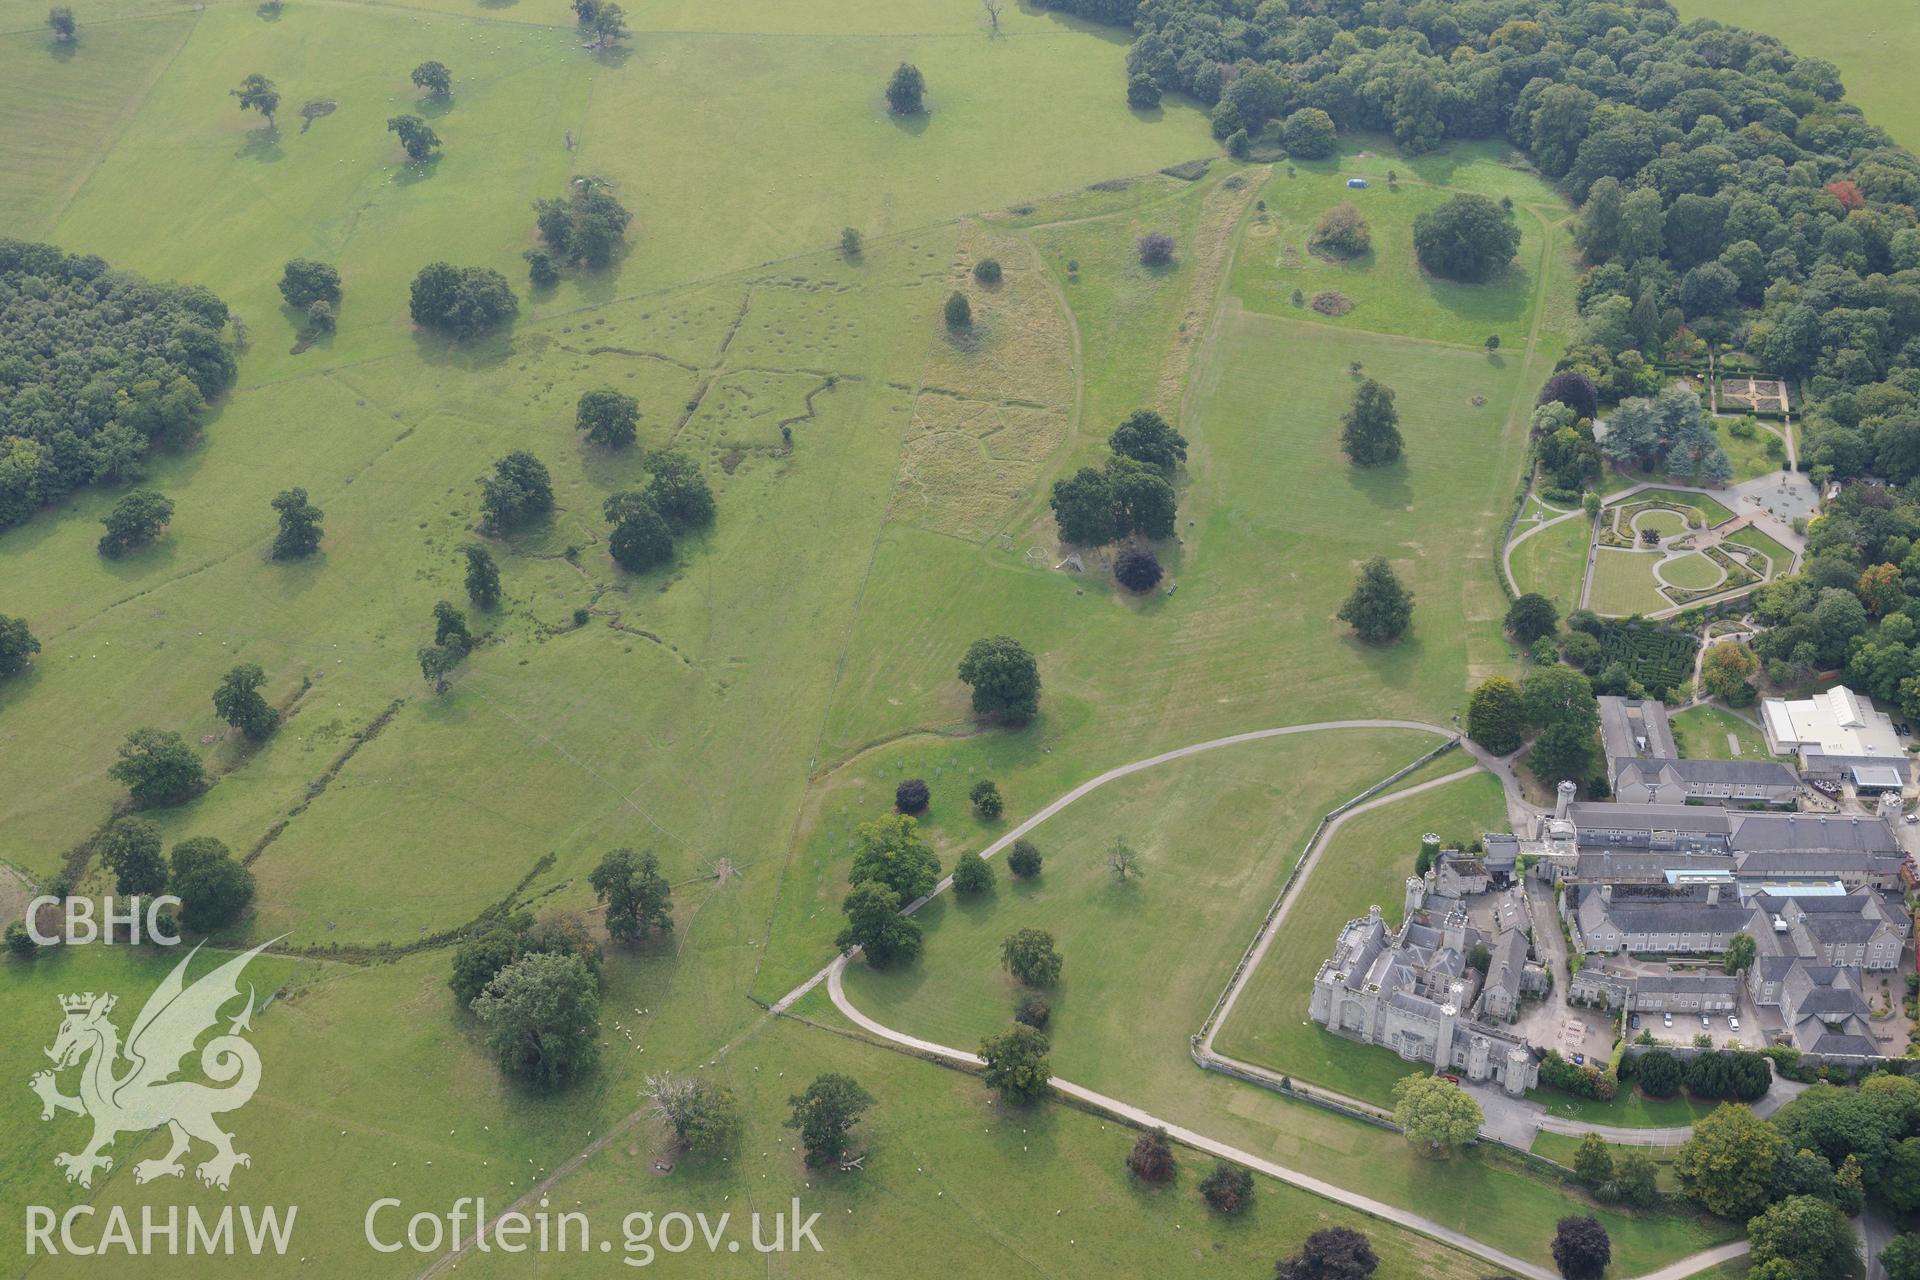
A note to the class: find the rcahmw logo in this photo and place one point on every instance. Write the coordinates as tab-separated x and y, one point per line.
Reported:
143	1095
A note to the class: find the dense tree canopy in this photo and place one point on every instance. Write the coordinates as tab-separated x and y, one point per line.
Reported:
158	768
17	645
1435	1114
1016	1062
304	282
212	887
1380	608
1004	677
434	78
519	490
153	358
891	850
824	1114
299	532
588	227
542	1015
237	700
1495	716
1370	429
1467	238
136	520
906	90
416	136
610	418
638	898
130	849
1147	437
462	301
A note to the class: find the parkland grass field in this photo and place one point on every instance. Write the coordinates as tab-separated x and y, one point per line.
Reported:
881	491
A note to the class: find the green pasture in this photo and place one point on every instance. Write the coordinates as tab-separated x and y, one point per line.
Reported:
1553	562
1388	289
1560	1148
1366	865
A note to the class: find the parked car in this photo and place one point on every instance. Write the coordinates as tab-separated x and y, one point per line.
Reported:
1633	1023
1666	1019
1450	1079
1579	1059
1733	1022
1913	817
1705	1024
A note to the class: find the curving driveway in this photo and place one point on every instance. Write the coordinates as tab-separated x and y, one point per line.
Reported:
1518	807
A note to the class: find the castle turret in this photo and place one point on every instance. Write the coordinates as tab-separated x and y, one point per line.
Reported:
1563	799
1416	894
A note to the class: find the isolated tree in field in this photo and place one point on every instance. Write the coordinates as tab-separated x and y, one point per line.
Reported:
1437	1115
639	899
1137	569
985	796
519	490
906	91
959	312
60	21
1028	955
993	8
17	645
584	11
21	946
1370	429
416	135
679	491
1726	1166
304	282
852	243
213	888
1228	1189
1332	1253
542	1019
434	78
1151	1159
1143	93
1017	1064
1593	1162
1467	238
450	627
972	874
640	540
438	661
1342	231
609	23
137	520
462	301
987	271
1155	249
1004	677
875	925
824	1114
1143	501
1147	437
892	851
587	226
1122	861
1581	1249
483	578
1531	616
158	768
131	851
256	93
912	796
609	418
1309	134
299	534
1380	608
238	702
1023	859
1495	717
703	1115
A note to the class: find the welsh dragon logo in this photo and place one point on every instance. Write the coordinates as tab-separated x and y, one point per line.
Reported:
144	1095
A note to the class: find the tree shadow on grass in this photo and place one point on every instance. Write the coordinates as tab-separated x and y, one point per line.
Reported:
487	351
433	105
1385	487
416	171
63	50
915	124
262	145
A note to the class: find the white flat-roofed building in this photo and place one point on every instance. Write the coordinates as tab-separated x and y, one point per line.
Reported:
1832	732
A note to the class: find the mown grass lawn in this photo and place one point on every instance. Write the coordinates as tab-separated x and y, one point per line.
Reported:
1560	1148
1623	583
1553	562
1701	734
